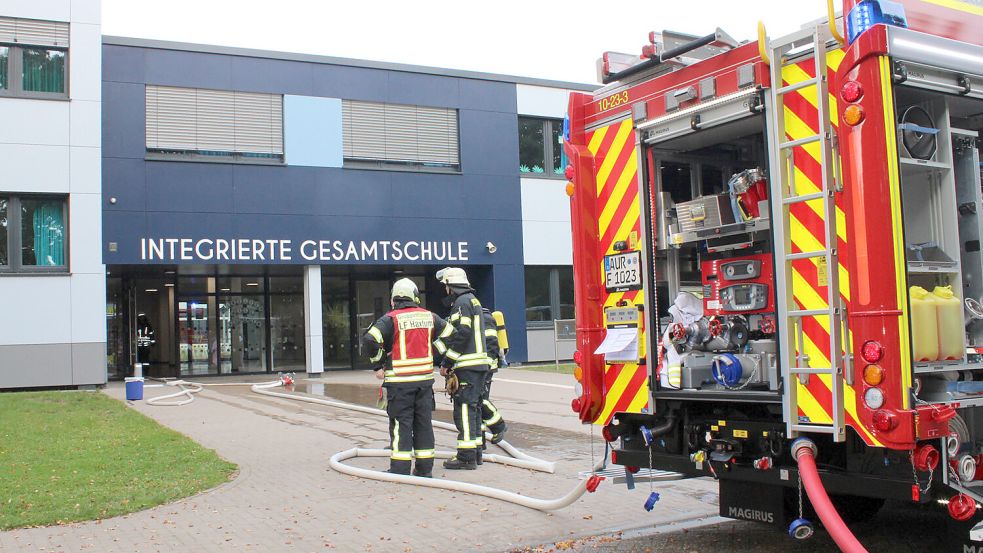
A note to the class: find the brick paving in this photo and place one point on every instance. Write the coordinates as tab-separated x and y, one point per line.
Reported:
285	498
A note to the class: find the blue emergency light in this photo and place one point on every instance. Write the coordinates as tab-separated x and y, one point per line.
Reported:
868	13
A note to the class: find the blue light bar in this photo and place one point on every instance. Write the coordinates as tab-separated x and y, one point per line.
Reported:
868	13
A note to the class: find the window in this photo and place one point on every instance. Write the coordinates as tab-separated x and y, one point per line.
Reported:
213	125
541	147
549	295
396	135
33	234
33	58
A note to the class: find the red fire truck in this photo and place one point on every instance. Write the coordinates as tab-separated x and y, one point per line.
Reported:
777	262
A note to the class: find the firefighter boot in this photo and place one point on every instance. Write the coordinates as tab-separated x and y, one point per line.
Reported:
477	456
456	464
500	435
423	468
399	467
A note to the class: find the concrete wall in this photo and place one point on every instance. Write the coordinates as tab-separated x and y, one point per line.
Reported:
53	332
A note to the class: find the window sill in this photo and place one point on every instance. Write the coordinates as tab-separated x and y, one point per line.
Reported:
398	167
544	176
150	156
35	96
29	273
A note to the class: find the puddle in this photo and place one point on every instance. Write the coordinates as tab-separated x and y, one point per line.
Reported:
569	445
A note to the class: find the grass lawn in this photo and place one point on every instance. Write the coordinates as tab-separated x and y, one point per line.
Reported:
71	456
565	368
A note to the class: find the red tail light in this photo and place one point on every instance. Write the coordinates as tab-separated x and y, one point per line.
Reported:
852	91
575	405
883	421
872	351
578	357
608	434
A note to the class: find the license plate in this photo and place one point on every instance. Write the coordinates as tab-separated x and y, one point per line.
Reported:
623	272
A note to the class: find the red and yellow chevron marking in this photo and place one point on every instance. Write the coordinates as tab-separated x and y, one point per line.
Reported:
809	276
613	148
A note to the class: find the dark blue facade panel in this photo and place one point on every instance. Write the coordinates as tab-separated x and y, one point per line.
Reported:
174	212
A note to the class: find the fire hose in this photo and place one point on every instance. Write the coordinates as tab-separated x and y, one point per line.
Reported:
804	452
516	458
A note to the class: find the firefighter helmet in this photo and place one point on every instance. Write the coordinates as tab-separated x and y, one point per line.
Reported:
405	288
453	275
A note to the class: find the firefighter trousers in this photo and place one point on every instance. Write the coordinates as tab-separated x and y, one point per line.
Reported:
467	413
410	410
489	413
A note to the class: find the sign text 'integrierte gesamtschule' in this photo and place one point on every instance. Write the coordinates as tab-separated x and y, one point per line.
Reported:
254	249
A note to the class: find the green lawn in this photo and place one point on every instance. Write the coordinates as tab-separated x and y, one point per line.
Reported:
70	456
565	368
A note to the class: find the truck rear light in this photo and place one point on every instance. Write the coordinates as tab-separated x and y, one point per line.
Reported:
578	373
575	405
883	420
578	389
568	172
614	457
632	470
578	357
874	398
853	114
608	434
570	189
873	375
872	351
852	91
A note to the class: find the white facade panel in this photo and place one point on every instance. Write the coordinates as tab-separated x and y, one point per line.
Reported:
85	234
88	308
86	120
545	200
547	243
87	11
85	164
85	62
43	122
37	310
52	10
31	168
541	101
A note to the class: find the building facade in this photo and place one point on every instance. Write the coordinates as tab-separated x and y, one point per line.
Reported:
52	278
257	206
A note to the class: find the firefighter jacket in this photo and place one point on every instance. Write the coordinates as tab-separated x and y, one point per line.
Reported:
463	340
406	334
491	340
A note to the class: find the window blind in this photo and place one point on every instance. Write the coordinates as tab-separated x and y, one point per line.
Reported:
399	133
34	32
192	119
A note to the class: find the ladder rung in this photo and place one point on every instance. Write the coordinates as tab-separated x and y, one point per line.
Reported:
804	198
817	428
807	255
811	370
800	142
799	85
809	313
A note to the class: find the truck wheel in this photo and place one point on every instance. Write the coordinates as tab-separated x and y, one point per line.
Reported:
854	508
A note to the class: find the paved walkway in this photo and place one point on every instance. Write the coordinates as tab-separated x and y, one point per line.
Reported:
287	499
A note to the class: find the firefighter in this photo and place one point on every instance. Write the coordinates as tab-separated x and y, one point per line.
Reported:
490	415
400	342
465	362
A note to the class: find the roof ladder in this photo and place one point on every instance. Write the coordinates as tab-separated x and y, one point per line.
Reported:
794	362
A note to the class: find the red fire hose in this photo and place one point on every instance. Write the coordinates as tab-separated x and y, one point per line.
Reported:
804	452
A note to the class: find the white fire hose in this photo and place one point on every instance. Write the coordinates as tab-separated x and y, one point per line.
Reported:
516	458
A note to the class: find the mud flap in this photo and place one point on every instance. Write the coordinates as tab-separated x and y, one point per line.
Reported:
752	501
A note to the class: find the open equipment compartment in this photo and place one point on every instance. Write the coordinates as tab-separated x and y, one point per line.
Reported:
709	191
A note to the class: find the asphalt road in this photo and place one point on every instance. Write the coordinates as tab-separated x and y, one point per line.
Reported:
897	528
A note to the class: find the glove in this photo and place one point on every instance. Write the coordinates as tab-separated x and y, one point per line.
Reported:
452	384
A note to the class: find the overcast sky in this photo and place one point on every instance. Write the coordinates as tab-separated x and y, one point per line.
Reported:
532	38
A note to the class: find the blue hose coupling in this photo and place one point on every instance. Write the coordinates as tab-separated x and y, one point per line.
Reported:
800	529
651	501
646	435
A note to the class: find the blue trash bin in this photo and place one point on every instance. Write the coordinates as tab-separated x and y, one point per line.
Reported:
134	388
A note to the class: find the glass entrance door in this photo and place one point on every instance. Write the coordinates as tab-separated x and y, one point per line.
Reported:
242	336
193	333
371	302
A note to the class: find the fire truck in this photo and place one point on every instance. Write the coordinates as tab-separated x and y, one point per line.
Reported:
777	262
